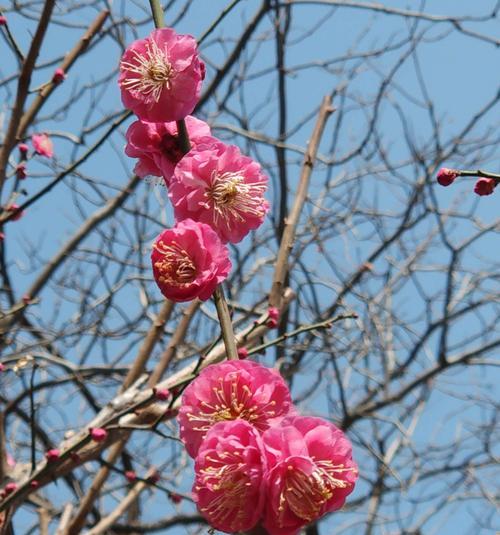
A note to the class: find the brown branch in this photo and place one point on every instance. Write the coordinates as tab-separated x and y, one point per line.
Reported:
23	87
291	222
66	65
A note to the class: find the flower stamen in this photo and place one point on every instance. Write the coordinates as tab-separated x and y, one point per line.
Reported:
175	266
153	72
232	198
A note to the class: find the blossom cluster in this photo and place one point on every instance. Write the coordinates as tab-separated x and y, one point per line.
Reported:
257	461
217	193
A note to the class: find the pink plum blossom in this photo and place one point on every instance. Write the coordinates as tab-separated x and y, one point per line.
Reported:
217	185
311	472
485	186
189	261
43	145
231	390
229	477
160	76
156	145
446	176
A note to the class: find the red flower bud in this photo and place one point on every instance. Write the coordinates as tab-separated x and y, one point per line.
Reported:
21	171
272	323
242	353
273	313
446	176
10	488
153	478
3	20
52	455
23	148
131	476
59	76
34	484
13	208
161	393
175	498
2	367
98	434
485	186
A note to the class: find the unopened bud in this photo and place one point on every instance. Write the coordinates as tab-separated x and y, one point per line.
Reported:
446	176
98	434
59	76
485	186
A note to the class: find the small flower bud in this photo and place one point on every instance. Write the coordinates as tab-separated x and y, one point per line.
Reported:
273	313
34	484
21	171
59	76
52	455
272	323
98	434
2	367
3	20
13	208
10	488
446	176
175	498
485	186
242	353
161	393
23	148
131	476
153	478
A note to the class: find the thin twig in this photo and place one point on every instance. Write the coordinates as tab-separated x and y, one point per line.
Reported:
225	323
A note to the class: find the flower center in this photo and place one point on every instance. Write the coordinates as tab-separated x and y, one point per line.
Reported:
230	402
232	198
175	267
227	477
150	72
305	494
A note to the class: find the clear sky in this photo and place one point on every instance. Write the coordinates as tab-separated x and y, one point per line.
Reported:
461	74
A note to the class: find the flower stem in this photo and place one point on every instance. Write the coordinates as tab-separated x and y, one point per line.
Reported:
225	323
157	12
159	21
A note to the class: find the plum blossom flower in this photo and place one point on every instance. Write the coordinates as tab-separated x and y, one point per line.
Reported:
485	186
231	390
160	76
156	145
446	176
229	477
43	145
311	472
189	261
217	185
